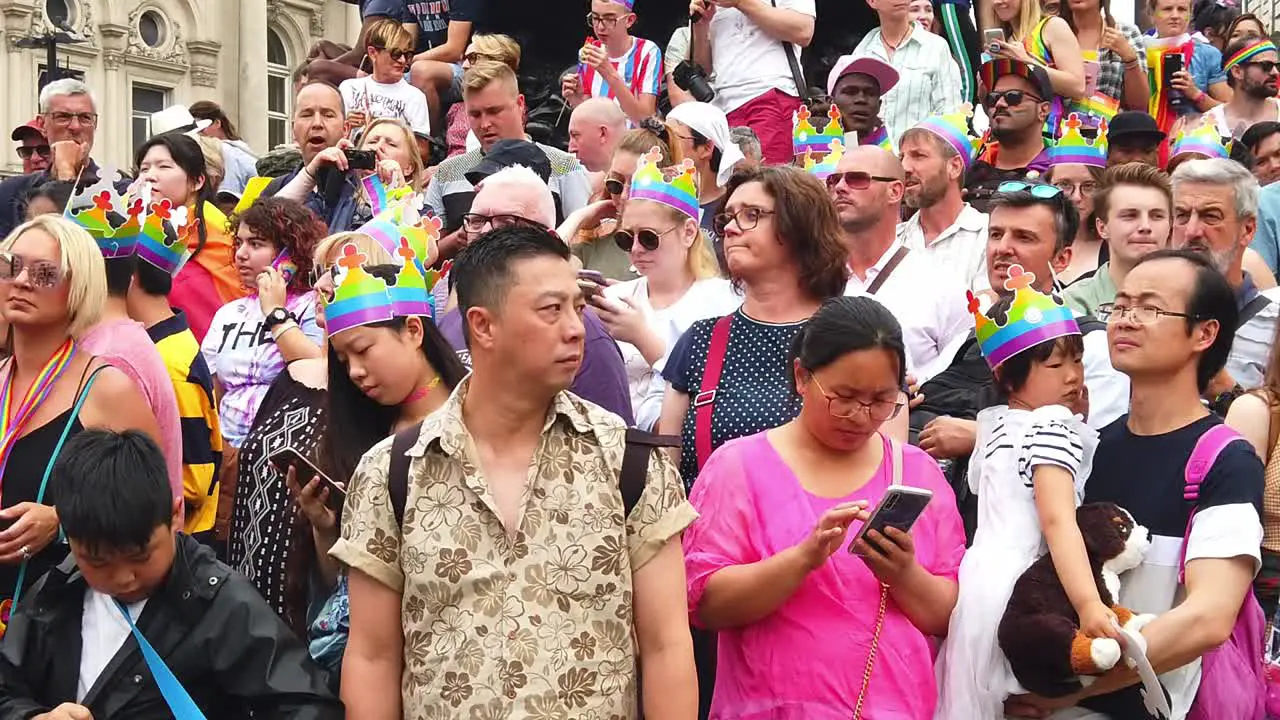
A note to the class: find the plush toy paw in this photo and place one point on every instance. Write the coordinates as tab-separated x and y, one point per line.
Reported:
1137	622
1105	653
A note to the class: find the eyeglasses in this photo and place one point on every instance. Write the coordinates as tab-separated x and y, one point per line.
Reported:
1266	66
1086	188
848	408
396	54
604	21
747	218
65	118
856	179
647	238
475	223
41	274
1139	314
614	186
475	57
27	151
1039	190
1012	98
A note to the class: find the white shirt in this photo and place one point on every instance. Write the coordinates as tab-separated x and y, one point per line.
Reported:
709	298
960	251
931	308
928	78
102	633
748	62
398	100
1108	387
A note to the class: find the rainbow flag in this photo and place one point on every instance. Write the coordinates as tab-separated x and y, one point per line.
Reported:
376	191
879	138
1157	50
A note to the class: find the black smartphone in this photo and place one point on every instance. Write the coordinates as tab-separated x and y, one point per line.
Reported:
304	470
361	159
900	507
1172	64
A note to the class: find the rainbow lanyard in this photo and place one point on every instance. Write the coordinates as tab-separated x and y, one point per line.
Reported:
13	420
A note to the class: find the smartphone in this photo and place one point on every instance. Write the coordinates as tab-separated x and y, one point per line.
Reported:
591	282
991	37
304	470
361	159
900	507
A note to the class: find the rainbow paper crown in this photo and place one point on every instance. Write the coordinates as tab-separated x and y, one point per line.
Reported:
1203	139
404	221
1033	318
953	128
823	169
163	241
363	299
114	221
805	138
650	183
1072	147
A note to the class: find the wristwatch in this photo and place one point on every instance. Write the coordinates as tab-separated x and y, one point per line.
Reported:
278	317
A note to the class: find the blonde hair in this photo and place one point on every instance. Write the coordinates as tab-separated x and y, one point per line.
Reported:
411	142
215	167
503	48
387	34
485	73
332	245
1029	16
701	261
81	263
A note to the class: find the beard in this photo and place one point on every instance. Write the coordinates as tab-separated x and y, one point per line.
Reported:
928	194
1259	91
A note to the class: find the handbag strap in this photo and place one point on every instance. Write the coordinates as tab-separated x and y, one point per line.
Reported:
883	276
797	75
175	696
705	401
895	455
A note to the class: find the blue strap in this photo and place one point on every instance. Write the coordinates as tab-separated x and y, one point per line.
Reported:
175	696
48	469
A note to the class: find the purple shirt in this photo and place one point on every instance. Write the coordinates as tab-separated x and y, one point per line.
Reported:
602	377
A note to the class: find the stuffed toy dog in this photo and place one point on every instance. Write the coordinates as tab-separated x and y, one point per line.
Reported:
1040	632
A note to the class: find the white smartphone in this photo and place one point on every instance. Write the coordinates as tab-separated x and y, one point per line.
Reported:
992	36
900	507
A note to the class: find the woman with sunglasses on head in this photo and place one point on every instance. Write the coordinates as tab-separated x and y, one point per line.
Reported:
815	621
679	284
52	290
175	167
384	92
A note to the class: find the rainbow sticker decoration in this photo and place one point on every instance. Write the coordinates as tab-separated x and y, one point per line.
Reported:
163	241
1204	139
361	298
410	295
680	192
105	215
822	170
1033	318
1072	147
805	138
403	220
953	128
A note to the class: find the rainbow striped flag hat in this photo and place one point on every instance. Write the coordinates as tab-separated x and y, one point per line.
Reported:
953	128
1033	318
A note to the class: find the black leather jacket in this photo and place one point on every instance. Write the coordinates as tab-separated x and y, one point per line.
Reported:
222	641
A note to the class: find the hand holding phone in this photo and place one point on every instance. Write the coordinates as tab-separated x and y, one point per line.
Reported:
884	542
361	159
591	282
992	39
304	471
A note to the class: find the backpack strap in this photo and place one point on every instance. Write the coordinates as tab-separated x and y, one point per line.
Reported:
1206	452
635	464
895	458
1251	309
705	401
398	472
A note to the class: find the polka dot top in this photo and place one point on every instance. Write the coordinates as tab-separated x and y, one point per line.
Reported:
754	393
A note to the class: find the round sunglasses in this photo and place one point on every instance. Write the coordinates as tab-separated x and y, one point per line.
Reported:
648	239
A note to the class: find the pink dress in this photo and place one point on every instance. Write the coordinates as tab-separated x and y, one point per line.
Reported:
806	660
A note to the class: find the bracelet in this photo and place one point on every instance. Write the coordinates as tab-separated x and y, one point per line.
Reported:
1132	63
307	171
282	328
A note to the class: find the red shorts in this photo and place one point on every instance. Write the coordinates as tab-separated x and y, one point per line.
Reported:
770	116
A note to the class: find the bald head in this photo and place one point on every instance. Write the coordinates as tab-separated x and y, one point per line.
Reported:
873	208
516	191
595	128
872	159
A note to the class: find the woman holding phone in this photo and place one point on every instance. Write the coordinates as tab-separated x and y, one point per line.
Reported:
1115	51
1032	37
803	608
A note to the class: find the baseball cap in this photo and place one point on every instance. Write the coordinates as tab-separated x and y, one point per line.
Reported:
882	72
33	126
506	153
1134	126
993	70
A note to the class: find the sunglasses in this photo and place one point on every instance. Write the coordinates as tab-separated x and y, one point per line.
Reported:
1265	66
614	186
26	152
41	273
1039	190
856	179
402	55
475	57
1012	98
647	238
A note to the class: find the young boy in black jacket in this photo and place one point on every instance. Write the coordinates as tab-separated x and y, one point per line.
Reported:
69	652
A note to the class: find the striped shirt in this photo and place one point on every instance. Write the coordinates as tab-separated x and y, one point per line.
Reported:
928	78
201	432
1050	442
640	68
1251	348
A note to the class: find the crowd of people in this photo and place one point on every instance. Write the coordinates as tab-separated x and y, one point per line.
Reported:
417	417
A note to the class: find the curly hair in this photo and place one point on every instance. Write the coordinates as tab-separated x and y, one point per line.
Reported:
289	225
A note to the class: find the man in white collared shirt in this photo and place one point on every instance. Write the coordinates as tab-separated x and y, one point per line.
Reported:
867	188
930	78
951	233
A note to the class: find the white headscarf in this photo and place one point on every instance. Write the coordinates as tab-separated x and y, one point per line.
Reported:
710	122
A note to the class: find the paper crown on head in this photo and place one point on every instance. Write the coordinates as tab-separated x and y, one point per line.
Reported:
651	183
404	221
163	241
113	221
1072	147
1033	318
953	128
806	138
1204	139
822	170
360	298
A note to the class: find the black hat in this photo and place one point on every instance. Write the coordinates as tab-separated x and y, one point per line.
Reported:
506	153
1132	126
993	70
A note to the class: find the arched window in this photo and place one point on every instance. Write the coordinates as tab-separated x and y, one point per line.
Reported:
279	97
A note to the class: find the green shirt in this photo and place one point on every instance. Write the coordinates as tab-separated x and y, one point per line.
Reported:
604	256
1085	296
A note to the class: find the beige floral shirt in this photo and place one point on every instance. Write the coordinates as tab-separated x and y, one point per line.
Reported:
537	624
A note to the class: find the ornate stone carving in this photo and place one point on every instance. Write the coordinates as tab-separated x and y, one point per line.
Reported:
82	24
317	24
274	9
172	49
204	77
113	59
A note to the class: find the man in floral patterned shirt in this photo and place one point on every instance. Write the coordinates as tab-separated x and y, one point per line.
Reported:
515	587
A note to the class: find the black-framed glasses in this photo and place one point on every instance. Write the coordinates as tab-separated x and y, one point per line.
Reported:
26	151
648	238
846	408
615	186
1012	98
1139	314
856	179
1266	66
65	118
747	219
1038	190
476	223
1086	188
41	274
604	21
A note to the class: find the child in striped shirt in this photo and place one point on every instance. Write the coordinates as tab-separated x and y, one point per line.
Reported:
615	65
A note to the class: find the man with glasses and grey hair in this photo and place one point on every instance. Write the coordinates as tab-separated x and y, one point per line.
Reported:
70	115
1215	213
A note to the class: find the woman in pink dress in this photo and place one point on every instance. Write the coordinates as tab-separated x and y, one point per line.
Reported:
808	629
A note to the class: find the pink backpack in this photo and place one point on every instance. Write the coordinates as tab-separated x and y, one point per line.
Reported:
1233	684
